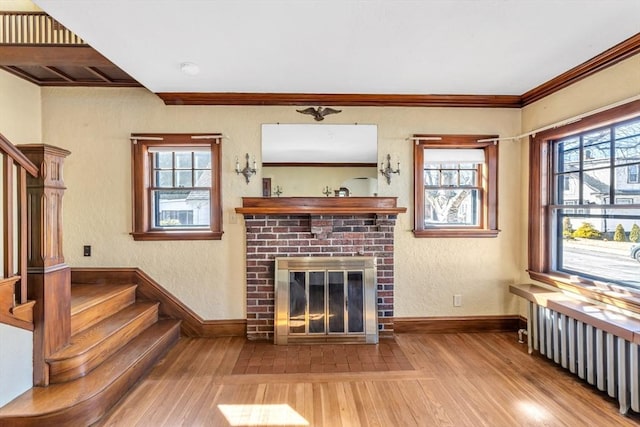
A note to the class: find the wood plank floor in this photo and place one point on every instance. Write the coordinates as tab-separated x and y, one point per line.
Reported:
266	358
483	379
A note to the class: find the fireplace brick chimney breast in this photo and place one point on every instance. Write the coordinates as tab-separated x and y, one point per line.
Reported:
315	226
270	236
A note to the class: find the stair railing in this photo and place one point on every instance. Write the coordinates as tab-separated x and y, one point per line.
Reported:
15	309
34	28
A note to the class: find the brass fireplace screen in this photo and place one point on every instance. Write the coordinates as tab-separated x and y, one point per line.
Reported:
325	299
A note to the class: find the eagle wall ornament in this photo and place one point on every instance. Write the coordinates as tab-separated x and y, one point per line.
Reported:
319	113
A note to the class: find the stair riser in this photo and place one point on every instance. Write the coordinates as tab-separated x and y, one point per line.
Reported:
82	364
92	315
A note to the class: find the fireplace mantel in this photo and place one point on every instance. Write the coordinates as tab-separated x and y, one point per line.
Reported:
319	206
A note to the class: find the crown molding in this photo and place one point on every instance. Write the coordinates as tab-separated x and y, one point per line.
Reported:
352	100
609	57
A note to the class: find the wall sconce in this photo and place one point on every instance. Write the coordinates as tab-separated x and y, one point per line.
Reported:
247	171
387	171
278	191
327	191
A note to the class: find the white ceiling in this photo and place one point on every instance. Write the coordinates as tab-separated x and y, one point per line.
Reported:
482	47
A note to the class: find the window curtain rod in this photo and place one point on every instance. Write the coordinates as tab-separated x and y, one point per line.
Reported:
218	136
551	126
424	138
576	118
417	139
212	136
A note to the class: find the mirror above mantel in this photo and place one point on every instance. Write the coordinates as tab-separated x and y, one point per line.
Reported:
309	159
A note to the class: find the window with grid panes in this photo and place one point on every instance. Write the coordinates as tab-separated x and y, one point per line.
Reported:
176	187
455	183
596	155
596	163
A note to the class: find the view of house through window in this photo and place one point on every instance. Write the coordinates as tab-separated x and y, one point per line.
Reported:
596	173
181	190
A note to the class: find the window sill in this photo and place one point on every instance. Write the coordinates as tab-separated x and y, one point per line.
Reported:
455	233
177	235
609	294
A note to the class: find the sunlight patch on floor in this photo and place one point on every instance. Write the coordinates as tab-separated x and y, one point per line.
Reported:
533	411
262	415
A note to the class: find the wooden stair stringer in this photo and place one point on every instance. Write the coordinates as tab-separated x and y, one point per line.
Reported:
86	399
93	345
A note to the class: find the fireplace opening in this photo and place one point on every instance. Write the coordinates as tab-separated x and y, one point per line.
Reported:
325	299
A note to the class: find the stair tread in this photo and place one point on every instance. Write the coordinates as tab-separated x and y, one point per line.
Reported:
87	339
84	296
57	397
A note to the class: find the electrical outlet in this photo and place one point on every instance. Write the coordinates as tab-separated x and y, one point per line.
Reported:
87	250
457	300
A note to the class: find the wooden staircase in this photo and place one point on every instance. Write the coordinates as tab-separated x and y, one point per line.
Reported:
115	339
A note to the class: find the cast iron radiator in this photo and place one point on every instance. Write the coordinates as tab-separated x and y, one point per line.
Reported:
604	359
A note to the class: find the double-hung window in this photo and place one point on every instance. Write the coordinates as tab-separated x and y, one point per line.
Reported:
633	174
588	165
455	179
176	187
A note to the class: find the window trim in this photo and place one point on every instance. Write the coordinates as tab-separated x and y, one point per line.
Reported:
489	216
540	242
141	183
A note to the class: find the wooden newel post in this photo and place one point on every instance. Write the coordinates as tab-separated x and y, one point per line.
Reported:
49	277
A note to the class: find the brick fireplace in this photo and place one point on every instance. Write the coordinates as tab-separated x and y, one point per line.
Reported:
310	226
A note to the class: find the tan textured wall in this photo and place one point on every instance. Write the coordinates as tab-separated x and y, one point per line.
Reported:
19	5
95	124
20	119
611	85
